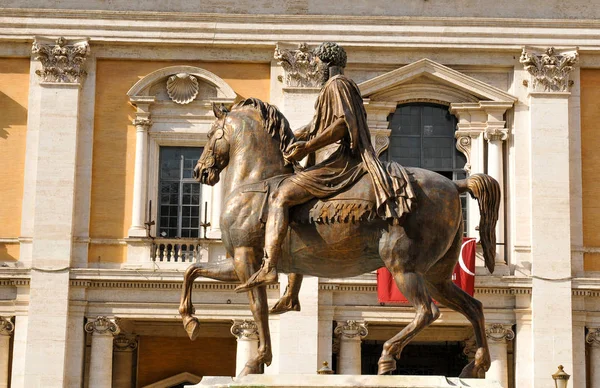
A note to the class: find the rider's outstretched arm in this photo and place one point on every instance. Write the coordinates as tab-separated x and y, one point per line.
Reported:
302	132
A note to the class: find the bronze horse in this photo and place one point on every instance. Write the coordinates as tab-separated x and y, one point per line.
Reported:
420	253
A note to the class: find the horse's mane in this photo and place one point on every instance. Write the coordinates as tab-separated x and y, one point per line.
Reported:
274	122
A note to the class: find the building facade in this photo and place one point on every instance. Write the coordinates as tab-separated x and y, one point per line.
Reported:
105	110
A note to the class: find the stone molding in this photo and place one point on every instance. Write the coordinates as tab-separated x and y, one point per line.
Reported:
549	70
498	332
63	61
351	329
300	66
244	330
125	342
6	326
102	326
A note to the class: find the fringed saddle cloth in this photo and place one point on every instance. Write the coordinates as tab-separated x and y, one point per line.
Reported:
356	204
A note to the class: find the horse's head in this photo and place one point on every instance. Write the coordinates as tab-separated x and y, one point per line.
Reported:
215	156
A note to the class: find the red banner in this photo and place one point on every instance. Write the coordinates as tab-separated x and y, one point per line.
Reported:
463	276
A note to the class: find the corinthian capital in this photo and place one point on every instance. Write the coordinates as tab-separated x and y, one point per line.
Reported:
499	333
102	325
300	66
549	70
61	61
351	329
244	330
145	123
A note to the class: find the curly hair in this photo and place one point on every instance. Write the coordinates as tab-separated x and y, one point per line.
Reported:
332	54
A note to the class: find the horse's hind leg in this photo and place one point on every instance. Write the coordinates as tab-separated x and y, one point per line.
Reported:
246	263
223	270
413	287
439	278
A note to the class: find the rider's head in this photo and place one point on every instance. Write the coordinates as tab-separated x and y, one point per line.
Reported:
333	56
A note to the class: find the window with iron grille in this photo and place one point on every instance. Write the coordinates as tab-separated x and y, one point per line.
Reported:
423	136
179	193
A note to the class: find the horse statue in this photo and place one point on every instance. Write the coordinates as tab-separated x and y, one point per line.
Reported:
420	251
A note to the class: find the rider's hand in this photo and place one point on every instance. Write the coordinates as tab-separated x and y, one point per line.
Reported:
297	151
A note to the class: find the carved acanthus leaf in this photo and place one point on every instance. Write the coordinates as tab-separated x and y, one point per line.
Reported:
244	330
351	329
62	61
301	66
499	333
102	325
550	71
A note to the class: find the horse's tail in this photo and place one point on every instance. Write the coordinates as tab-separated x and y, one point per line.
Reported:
486	190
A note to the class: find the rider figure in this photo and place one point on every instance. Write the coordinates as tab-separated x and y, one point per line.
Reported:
339	117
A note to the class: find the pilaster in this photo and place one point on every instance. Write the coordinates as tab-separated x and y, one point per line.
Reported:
124	346
7	328
246	334
351	334
50	214
102	330
552	323
498	335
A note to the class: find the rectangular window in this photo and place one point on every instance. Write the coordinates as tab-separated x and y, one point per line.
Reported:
179	193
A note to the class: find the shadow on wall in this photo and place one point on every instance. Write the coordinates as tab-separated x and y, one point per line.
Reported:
13	114
5	255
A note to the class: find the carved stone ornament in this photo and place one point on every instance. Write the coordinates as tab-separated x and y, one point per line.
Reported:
61	62
102	325
495	134
145	123
463	144
549	71
470	347
499	333
6	326
300	66
182	88
244	330
125	343
593	337
381	144
351	329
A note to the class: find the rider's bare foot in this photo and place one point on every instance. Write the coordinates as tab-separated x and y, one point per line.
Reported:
265	275
284	304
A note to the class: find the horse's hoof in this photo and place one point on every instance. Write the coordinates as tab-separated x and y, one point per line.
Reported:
284	305
386	364
192	327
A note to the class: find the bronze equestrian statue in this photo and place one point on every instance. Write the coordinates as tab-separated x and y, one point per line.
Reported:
367	224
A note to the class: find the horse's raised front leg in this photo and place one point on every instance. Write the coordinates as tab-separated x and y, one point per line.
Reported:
246	263
223	270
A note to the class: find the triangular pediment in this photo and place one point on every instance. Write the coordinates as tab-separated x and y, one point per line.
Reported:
426	79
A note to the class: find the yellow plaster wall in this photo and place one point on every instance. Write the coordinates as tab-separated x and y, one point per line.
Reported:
14	92
590	160
114	139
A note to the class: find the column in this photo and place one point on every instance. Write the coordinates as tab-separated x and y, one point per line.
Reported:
124	349
593	340
551	298
60	73
102	330
6	330
350	333
246	333
142	124
498	335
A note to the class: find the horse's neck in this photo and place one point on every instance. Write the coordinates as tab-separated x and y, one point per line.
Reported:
253	159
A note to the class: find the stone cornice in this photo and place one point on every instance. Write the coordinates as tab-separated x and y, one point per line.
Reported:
266	30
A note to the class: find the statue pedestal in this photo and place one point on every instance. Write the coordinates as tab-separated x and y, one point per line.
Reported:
343	381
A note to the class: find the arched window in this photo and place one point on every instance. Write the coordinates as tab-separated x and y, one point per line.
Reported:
423	136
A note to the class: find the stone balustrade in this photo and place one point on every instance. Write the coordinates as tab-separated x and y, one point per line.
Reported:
179	250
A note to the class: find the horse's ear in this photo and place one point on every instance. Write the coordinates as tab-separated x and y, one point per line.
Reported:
219	111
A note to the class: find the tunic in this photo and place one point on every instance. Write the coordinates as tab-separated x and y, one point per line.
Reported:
355	156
